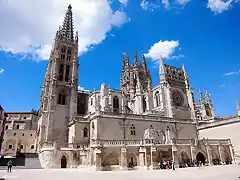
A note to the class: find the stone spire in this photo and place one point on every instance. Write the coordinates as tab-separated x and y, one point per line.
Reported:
135	63
123	63
127	60
144	64
208	99
201	99
162	72
66	30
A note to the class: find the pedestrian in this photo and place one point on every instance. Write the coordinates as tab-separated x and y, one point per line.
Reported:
9	164
173	166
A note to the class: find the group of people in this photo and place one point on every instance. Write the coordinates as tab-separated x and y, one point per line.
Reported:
166	165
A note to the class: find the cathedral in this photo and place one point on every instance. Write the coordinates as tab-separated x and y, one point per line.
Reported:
108	129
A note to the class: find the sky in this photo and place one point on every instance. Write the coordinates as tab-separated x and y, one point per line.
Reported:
204	35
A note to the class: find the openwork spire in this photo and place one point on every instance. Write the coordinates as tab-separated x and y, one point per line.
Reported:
66	31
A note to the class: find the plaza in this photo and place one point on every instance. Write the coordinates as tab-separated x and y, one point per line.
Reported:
225	172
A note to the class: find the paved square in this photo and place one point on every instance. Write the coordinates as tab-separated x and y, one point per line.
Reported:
205	173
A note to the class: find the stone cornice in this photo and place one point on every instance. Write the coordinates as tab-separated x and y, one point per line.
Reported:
219	123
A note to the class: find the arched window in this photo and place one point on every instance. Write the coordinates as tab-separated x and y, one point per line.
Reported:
85	132
18	126
61	70
91	101
67	73
115	104
69	52
63	52
144	104
6	127
157	99
133	130
61	99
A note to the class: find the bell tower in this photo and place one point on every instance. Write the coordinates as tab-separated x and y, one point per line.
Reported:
59	92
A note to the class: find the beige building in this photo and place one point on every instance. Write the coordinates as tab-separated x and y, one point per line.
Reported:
20	133
227	127
138	125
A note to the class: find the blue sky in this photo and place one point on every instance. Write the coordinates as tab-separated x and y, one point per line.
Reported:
204	37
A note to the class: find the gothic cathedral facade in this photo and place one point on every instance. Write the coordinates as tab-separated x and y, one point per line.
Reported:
138	125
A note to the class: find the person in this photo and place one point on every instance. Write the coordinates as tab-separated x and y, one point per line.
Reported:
9	164
173	166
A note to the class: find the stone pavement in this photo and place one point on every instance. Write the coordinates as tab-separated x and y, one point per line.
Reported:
226	172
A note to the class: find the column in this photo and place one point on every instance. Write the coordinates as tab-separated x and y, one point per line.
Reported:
232	154
98	161
153	158
220	154
209	155
123	161
142	158
174	159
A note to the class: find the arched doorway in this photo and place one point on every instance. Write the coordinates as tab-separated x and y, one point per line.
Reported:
200	157
63	162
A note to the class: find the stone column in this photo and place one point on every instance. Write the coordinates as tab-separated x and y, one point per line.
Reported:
153	158
123	161
98	161
232	154
220	153
142	159
174	159
209	155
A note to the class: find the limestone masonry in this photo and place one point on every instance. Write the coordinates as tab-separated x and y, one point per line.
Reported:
138	125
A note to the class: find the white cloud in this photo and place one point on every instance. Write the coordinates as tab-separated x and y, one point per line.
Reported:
150	5
26	28
124	2
165	3
218	6
222	85
182	2
164	49
1	70
232	73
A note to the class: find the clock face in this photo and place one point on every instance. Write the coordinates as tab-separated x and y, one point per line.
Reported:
177	98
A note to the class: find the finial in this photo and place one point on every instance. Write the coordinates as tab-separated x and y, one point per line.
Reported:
123	62
127	59
69	6
135	57
144	64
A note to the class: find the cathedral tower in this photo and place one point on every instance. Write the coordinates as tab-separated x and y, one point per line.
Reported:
59	92
136	84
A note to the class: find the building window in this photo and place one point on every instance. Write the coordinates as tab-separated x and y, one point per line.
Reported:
21	146
61	70
63	52
133	130
144	104
10	146
115	104
67	73
23	134
91	101
30	134
61	99
85	132
14	134
69	52
32	146
6	127
25	118
18	126
157	99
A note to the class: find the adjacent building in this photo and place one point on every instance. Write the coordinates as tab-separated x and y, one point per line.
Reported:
20	133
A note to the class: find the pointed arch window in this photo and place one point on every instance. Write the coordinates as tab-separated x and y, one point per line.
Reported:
115	104
144	104
61	70
157	98
133	130
63	53
67	73
18	126
69	52
61	99
85	132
